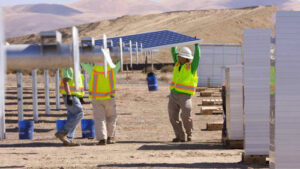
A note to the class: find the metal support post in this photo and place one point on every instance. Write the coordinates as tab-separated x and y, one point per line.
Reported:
47	99
130	51
121	53
57	89
35	96
20	96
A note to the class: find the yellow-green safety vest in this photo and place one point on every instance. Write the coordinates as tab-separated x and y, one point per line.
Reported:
184	81
79	93
101	88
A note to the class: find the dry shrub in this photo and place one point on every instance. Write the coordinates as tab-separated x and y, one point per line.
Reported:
164	78
166	69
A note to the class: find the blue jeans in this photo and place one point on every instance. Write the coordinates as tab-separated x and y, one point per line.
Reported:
74	115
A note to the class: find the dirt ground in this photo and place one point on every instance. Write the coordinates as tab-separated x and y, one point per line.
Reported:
143	134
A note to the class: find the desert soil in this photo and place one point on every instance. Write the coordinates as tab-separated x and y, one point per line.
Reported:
144	133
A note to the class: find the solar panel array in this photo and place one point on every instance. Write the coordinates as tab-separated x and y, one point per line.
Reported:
151	40
257	48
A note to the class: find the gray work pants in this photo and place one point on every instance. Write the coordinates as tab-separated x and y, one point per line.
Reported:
181	102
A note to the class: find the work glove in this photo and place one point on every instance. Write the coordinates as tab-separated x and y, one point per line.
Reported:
81	100
69	100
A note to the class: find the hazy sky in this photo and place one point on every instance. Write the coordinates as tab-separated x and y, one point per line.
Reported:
19	2
230	3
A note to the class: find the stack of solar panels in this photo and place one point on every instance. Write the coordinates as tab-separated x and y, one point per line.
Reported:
214	59
287	99
257	48
234	102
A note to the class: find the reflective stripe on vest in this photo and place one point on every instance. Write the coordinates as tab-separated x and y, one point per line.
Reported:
183	87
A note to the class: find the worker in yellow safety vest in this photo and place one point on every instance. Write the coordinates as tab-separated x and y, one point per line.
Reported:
182	88
102	91
72	100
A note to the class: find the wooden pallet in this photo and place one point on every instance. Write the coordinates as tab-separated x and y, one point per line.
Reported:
209	102
206	94
211	110
255	159
214	126
201	89
216	95
233	144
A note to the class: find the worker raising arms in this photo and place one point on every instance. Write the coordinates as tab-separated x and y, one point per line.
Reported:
182	88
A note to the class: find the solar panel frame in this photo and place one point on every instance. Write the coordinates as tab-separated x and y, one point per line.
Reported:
155	40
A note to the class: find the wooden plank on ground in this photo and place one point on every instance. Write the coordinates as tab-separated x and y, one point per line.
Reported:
255	159
214	126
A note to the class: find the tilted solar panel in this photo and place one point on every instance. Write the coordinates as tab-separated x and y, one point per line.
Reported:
154	40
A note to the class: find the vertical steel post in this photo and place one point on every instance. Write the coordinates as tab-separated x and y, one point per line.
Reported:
57	89
152	66
86	85
76	56
137	53
141	53
2	79
130	51
47	99
121	53
20	96
35	96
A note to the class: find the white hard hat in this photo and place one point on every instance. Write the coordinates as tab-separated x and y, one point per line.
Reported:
186	52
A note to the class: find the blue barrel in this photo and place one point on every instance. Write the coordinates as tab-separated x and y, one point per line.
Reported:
60	124
152	82
88	128
26	129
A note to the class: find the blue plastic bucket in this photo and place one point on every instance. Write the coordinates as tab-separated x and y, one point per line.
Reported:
26	129
152	82
88	128
60	124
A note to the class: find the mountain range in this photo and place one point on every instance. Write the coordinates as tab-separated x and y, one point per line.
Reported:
27	19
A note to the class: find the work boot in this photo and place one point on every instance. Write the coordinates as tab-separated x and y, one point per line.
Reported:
62	137
71	144
176	140
102	142
111	140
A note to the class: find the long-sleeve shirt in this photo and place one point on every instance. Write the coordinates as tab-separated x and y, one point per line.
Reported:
194	64
89	68
196	60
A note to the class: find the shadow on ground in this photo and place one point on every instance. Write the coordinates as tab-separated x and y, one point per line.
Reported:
17	121
14	130
179	165
41	144
40	115
15	166
139	142
178	146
